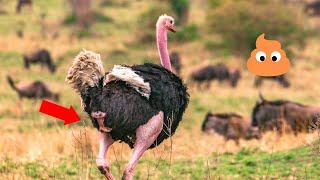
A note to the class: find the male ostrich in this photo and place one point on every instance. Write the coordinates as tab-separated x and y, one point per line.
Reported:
140	105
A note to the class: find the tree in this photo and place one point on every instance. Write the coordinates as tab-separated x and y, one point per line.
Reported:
81	10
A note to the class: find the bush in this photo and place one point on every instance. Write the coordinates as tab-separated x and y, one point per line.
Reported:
239	23
187	33
181	9
97	17
147	22
69	20
215	3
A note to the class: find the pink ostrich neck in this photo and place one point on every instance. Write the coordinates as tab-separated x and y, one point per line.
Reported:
162	46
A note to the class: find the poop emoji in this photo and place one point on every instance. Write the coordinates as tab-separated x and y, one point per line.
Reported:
268	59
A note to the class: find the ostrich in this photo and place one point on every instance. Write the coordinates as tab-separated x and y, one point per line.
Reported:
140	105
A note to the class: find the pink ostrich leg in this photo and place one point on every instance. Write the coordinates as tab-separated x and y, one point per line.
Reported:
103	165
148	133
145	136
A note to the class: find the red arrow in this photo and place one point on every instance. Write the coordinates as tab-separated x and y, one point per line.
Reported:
67	115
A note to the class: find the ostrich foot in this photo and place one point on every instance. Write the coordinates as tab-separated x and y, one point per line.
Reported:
100	117
103	166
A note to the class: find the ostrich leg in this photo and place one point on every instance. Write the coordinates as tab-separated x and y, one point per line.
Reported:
145	136
103	165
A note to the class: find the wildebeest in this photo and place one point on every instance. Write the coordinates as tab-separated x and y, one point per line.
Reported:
282	79
22	3
313	8
176	61
283	115
42	57
220	72
35	90
230	126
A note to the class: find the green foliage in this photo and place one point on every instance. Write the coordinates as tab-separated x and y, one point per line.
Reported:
239	23
114	3
7	165
181	8
187	33
147	22
84	34
31	170
70	20
100	17
215	3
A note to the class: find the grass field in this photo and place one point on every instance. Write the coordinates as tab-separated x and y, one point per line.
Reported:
35	146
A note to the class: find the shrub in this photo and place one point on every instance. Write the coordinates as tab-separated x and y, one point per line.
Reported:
215	3
239	23
83	12
147	22
97	16
181	9
69	20
187	33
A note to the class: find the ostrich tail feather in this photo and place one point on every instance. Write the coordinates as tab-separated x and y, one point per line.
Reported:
85	72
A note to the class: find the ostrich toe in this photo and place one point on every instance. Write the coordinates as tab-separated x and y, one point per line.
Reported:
103	166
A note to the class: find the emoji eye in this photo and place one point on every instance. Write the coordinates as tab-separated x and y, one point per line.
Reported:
261	56
275	56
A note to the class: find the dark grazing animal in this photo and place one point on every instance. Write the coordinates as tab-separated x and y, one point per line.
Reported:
283	115
282	79
22	3
140	105
176	61
42	57
313	8
220	72
230	126
35	90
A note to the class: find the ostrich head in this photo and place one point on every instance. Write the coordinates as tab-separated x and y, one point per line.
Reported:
167	22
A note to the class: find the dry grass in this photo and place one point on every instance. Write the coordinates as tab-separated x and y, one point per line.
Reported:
58	142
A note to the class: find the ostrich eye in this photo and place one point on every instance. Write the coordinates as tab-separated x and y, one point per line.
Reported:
275	56
260	56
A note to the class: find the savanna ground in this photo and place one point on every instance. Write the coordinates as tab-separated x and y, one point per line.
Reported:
35	146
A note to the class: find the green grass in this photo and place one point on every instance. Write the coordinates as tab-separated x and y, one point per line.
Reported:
246	164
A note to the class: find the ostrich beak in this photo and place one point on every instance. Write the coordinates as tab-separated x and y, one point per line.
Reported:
172	29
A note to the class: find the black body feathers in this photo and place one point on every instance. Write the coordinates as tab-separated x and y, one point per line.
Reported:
126	109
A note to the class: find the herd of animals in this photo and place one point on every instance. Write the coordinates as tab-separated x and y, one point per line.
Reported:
142	105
